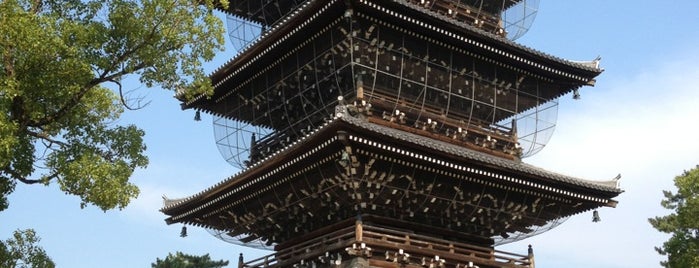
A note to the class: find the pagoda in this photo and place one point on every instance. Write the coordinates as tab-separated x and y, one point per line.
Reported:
387	133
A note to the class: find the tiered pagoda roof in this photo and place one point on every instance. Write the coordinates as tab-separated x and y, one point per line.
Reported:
313	16
468	183
407	115
408	58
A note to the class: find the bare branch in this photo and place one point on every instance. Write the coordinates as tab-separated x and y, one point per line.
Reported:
125	102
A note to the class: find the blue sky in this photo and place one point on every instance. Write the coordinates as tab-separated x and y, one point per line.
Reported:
639	120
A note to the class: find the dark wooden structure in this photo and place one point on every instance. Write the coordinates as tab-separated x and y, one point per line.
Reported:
392	136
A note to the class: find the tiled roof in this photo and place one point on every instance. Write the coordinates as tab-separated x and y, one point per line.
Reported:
496	38
517	166
514	165
514	51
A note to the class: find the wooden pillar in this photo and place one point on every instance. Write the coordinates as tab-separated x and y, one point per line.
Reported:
360	88
531	256
358	231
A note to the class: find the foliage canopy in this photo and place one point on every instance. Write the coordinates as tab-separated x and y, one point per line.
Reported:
682	249
181	260
21	251
61	92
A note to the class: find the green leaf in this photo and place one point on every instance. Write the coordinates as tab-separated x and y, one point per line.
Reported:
60	88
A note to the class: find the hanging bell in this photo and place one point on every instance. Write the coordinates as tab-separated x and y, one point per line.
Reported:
344	160
197	116
576	94
595	216
183	233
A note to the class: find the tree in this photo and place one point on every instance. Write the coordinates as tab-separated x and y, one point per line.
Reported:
63	63
21	251
682	249
181	260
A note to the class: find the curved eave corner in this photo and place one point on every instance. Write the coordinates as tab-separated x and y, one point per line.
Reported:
174	207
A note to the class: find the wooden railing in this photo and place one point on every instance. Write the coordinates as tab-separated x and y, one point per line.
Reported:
497	139
466	14
306	250
384	242
424	246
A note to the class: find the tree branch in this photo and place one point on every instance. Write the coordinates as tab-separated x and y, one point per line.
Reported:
105	76
124	101
36	6
75	100
44	136
8	62
17	176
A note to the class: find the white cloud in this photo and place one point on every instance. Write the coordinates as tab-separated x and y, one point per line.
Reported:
176	175
640	126
643	127
145	208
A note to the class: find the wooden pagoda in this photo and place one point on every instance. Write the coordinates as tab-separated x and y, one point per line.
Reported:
388	133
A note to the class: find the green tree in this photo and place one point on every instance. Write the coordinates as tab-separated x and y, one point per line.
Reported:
61	92
21	251
682	249
181	260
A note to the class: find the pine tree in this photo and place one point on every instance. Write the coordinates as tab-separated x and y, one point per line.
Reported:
682	249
